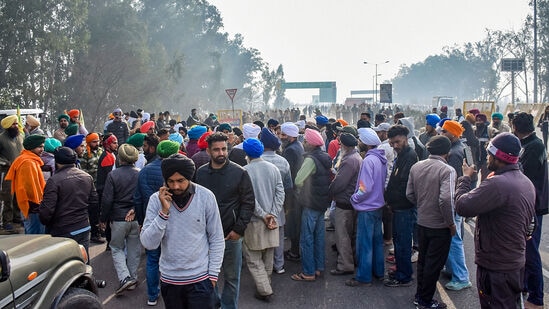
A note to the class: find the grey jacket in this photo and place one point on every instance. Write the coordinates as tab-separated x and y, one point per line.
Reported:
431	186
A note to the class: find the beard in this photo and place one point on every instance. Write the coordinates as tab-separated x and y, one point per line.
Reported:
13	132
284	143
63	125
219	159
149	155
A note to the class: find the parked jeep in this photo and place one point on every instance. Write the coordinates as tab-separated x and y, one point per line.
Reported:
40	271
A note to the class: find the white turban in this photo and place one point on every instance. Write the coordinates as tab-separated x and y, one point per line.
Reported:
290	129
368	137
251	130
146	117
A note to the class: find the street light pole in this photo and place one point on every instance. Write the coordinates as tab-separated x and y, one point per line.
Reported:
375	88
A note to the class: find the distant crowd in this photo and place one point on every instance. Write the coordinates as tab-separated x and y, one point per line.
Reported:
203	198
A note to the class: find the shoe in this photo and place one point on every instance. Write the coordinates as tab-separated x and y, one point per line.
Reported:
291	256
394	283
132	287
337	272
392	250
458	286
265	298
97	240
125	284
152	302
415	256
435	304
353	282
390	259
280	271
330	228
8	229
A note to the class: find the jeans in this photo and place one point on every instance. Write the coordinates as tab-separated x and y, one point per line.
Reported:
456	258
404	222
232	265
312	241
125	235
533	271
153	273
369	245
199	295
33	225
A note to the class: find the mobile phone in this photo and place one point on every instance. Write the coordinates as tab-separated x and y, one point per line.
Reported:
468	156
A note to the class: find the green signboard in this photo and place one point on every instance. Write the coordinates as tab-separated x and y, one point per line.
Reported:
327	90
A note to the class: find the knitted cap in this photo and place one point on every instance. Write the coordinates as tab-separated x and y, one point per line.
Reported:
506	147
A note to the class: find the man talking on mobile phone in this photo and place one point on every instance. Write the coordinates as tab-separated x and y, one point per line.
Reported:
183	218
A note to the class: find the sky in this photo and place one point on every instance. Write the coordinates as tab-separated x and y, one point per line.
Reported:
321	40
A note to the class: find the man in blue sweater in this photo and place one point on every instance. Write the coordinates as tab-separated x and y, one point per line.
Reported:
184	218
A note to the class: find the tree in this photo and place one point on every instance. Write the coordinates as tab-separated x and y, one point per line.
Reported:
113	71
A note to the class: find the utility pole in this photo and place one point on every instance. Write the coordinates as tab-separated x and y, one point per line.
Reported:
535	52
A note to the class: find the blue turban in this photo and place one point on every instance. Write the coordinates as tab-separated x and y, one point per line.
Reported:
321	120
74	141
176	137
442	121
432	120
196	132
497	115
253	147
269	140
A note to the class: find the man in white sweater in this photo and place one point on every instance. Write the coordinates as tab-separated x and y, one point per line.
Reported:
183	218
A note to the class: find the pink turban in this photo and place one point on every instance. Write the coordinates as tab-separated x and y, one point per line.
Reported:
313	137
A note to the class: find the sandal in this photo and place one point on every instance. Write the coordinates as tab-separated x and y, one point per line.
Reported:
302	277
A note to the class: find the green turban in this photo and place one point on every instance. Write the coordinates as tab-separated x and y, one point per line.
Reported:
71	129
63	116
33	141
167	148
136	140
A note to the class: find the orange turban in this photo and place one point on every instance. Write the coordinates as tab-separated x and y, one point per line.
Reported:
90	138
453	127
470	118
343	122
73	113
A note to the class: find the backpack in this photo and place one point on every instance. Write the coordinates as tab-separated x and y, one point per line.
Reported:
420	149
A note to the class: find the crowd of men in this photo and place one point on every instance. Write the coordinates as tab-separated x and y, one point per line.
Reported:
203	197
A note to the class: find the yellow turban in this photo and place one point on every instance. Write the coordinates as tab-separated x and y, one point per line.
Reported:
8	121
32	121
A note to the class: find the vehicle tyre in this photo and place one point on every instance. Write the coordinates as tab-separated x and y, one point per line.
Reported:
79	298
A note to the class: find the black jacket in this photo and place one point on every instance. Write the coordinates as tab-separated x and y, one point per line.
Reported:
395	194
120	130
293	153
534	165
315	192
234	193
117	197
67	196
